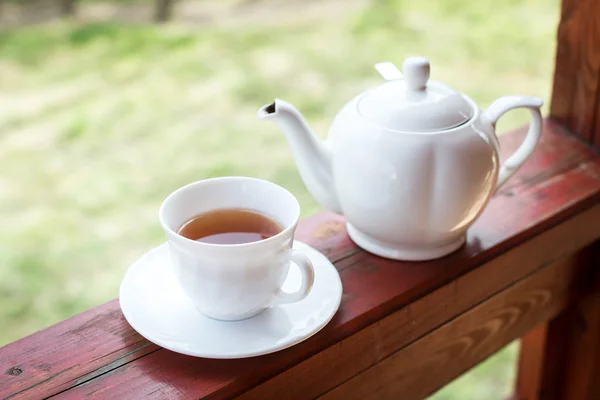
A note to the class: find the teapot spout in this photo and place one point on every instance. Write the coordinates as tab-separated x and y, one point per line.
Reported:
311	153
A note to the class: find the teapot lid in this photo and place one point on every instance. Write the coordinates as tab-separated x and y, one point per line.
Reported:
408	101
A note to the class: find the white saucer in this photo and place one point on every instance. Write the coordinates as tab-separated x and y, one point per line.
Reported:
157	309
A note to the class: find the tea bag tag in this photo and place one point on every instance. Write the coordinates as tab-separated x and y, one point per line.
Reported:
388	71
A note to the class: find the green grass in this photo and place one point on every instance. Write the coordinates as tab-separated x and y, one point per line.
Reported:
491	380
99	122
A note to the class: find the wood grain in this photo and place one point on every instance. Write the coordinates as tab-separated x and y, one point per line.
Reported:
371	345
106	359
582	380
562	360
361	305
57	356
576	91
100	339
429	363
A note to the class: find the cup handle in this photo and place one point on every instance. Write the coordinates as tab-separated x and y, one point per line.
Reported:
308	277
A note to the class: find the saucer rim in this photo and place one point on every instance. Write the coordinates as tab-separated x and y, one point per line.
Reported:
231	356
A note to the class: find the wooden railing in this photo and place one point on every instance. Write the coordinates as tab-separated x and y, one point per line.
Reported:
560	359
530	269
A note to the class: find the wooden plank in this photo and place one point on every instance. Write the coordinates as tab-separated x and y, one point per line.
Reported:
585	89
564	359
540	198
565	70
538	168
596	140
359	350
56	357
565	65
576	92
429	363
582	380
100	339
531	359
371	345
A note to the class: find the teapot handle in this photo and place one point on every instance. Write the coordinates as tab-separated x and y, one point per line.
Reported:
499	108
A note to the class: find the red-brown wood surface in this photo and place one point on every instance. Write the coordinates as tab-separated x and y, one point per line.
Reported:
576	92
428	363
98	354
406	326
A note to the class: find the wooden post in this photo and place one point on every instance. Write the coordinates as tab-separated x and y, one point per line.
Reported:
532	357
561	359
164	10
576	91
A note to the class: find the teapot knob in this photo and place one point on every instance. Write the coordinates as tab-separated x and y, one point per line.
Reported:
416	72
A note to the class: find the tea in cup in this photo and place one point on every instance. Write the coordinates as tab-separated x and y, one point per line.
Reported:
231	241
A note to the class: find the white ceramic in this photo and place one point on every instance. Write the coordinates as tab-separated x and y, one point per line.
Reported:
411	163
235	281
155	306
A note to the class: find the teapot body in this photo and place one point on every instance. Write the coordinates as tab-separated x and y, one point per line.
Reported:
411	163
409	195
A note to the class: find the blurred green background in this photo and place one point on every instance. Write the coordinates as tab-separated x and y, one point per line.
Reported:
103	114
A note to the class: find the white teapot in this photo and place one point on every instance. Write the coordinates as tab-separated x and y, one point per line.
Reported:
411	164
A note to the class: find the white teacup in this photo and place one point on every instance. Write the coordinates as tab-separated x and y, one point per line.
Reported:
235	281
